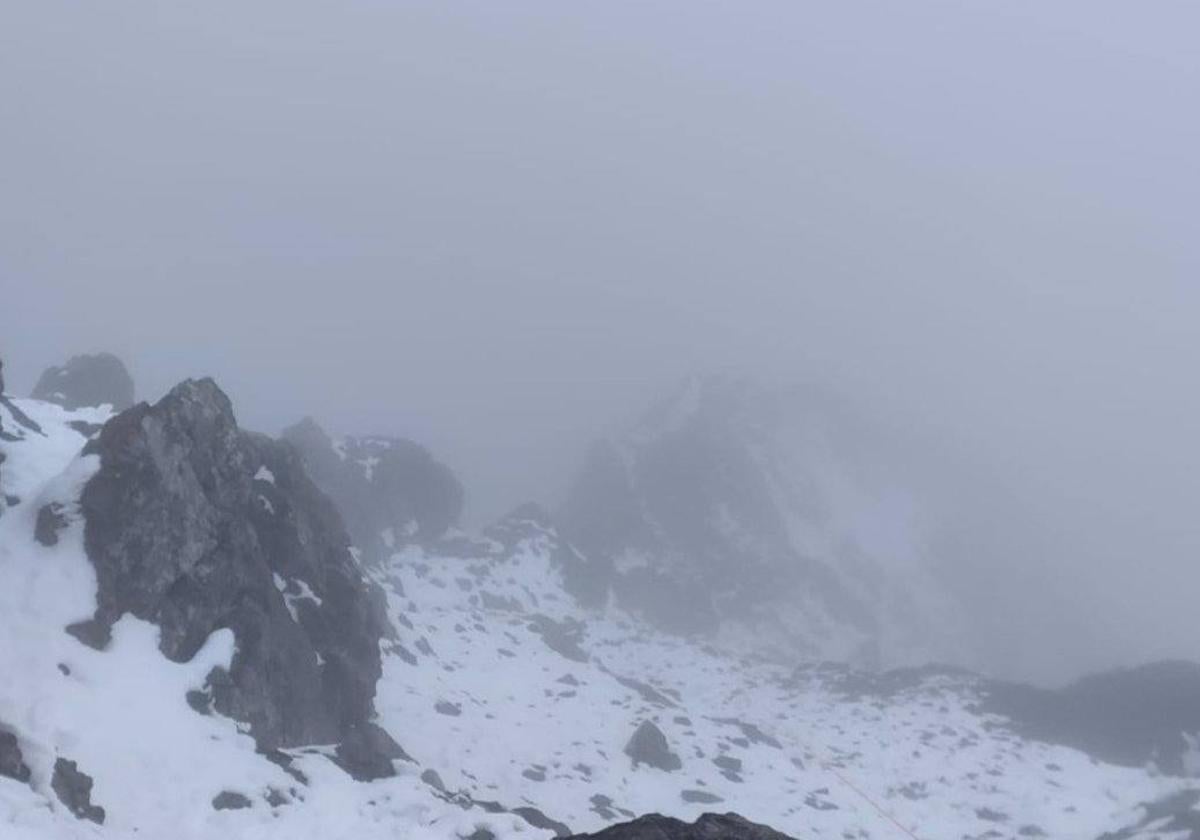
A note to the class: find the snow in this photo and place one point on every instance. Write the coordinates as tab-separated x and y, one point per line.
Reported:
264	474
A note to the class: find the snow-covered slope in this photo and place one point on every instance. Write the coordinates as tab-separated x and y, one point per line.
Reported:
510	691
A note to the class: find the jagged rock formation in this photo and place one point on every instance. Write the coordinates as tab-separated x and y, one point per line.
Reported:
732	505
707	827
195	525
390	491
85	381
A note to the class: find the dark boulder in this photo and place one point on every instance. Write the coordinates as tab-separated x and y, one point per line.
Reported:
390	491
12	762
367	753
74	789
196	525
708	827
87	381
649	746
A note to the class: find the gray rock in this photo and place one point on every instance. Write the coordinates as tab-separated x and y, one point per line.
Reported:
182	535
230	800
50	520
87	381
381	485
367	752
74	789
649	746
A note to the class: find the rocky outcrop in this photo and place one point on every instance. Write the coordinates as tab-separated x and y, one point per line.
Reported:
195	525
12	762
87	381
1130	716
707	827
390	491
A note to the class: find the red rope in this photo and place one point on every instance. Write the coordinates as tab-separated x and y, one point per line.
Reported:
870	801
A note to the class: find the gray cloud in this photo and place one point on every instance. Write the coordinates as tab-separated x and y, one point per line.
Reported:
500	229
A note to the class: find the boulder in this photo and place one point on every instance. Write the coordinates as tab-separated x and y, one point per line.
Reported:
195	525
707	827
649	746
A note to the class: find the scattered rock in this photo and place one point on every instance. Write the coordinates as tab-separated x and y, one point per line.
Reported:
701	796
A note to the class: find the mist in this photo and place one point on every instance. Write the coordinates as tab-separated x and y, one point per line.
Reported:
502	230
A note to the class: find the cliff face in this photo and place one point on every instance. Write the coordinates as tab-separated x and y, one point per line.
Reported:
195	525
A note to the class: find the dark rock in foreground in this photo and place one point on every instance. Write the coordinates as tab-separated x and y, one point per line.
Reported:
196	525
87	381
707	827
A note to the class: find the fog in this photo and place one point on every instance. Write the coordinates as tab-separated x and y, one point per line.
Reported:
501	229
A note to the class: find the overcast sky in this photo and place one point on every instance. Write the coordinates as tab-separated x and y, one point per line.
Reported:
501	227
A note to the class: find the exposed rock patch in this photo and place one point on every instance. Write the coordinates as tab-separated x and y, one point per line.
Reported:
649	746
